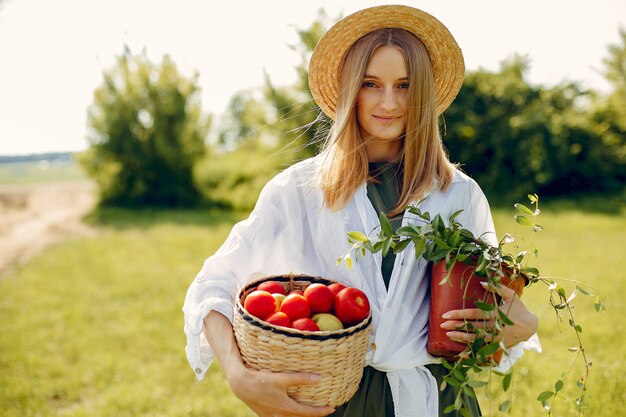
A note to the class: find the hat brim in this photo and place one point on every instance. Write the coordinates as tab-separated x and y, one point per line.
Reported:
329	53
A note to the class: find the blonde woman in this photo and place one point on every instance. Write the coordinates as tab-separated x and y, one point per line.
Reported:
384	75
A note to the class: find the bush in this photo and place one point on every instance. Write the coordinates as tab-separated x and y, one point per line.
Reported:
147	132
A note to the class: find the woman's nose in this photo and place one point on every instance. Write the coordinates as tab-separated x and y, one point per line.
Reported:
389	99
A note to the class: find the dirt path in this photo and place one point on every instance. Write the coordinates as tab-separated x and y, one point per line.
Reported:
32	217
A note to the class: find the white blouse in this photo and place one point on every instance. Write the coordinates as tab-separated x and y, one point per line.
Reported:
291	231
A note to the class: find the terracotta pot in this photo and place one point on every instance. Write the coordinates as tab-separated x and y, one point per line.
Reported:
461	292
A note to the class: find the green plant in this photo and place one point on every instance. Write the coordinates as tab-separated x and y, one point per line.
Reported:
436	240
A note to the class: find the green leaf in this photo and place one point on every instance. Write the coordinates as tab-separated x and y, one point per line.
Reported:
523	220
386	245
476	384
385	225
455	238
523	209
508	238
506	381
465	412
533	198
468	391
504	318
348	262
446	364
357	236
583	291
419	247
484	306
599	305
489	349
401	245
437	223
504	406
454	215
451	381
449	409
558	386
530	271
545	396
458	403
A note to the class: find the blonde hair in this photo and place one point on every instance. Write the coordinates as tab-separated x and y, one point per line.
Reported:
423	158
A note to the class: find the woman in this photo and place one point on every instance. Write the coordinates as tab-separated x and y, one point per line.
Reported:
383	75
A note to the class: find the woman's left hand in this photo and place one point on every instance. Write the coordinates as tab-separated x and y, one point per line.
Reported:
461	324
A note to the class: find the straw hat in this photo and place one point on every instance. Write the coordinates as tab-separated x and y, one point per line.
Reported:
327	59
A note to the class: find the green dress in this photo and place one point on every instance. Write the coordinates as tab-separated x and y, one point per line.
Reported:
373	398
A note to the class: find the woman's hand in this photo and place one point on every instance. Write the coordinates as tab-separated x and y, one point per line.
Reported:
264	392
462	324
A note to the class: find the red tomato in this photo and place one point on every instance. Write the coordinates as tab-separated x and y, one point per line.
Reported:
295	306
306	324
319	297
279	319
273	287
260	304
335	287
297	292
351	306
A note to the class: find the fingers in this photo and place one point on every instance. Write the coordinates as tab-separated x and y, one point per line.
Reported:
465	337
266	394
286	379
467	314
293	407
468	325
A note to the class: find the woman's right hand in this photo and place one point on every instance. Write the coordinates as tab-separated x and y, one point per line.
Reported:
264	392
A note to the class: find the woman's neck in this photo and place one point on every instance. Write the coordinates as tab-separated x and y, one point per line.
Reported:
383	151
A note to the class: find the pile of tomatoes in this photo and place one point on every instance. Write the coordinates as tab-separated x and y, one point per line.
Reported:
319	307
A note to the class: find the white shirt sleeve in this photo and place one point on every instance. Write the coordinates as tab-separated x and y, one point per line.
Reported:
246	254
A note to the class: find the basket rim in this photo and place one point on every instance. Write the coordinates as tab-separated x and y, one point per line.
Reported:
318	335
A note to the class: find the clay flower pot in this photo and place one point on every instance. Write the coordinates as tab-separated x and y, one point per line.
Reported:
462	291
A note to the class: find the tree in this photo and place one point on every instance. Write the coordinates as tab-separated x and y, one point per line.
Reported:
284	117
146	133
609	115
514	138
268	129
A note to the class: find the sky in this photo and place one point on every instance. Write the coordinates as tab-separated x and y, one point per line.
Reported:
53	53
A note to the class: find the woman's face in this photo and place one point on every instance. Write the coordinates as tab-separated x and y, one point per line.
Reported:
381	103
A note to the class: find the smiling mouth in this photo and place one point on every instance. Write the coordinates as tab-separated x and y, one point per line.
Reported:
385	118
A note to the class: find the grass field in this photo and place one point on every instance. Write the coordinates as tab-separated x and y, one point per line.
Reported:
45	171
93	326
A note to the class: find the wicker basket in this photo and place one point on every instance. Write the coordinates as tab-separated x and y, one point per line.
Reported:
337	356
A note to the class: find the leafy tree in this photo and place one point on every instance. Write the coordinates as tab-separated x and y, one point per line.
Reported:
146	133
609	116
285	117
268	128
515	138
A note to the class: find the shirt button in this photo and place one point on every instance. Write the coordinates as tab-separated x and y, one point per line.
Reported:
198	370
374	346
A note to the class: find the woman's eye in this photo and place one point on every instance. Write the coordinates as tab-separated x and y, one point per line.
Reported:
404	85
369	84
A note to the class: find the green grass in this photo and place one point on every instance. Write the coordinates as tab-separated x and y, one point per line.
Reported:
34	172
93	326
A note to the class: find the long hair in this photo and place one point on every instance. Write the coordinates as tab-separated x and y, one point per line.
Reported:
423	158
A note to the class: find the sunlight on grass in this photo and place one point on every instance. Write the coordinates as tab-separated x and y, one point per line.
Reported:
93	327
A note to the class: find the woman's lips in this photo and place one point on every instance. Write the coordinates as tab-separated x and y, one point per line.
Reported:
385	118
